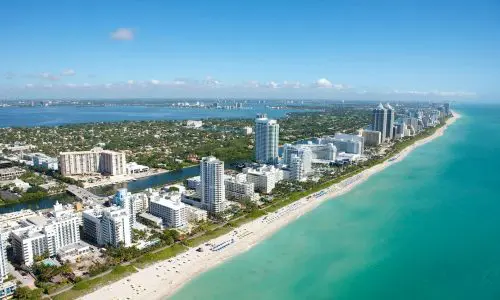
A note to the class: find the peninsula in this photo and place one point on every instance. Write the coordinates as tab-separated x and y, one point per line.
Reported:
166	277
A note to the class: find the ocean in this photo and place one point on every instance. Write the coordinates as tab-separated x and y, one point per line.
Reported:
425	228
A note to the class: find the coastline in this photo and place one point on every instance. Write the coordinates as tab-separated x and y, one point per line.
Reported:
165	278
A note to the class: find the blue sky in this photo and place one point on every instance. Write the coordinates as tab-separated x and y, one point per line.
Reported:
298	49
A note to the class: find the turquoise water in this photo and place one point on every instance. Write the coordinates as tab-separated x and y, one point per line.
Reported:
425	228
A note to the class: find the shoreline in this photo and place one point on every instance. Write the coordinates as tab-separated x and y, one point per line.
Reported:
165	278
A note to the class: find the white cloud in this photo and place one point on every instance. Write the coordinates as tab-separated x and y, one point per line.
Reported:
70	85
323	83
29	85
179	82
295	85
123	34
435	93
340	86
272	85
130	82
252	84
68	72
48	76
210	81
155	82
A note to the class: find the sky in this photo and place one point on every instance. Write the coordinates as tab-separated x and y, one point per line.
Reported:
367	50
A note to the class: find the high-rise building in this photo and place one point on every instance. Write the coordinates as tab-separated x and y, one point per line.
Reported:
347	143
41	235
96	160
447	109
372	137
3	255
107	226
238	188
297	168
212	184
264	178
125	200
379	120
112	163
390	122
266	140
170	209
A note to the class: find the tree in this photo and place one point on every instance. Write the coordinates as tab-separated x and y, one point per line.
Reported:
23	292
173	189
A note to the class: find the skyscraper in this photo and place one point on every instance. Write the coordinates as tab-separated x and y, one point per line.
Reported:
212	184
447	109
266	140
107	226
379	120
125	200
3	255
390	122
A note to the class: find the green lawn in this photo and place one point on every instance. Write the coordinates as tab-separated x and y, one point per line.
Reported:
209	235
150	258
87	286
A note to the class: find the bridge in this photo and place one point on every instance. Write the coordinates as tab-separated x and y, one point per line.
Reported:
84	195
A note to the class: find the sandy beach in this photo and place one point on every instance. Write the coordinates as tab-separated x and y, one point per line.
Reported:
163	279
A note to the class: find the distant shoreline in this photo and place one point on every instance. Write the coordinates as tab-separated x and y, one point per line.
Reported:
165	278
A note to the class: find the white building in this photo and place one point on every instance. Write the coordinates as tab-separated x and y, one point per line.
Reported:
264	178
194	124
247	130
125	200
107	226
193	182
11	173
96	160
112	163
238	188
41	236
301	151
44	161
3	255
170	208
347	143
195	214
135	168
296	166
212	184
140	203
266	140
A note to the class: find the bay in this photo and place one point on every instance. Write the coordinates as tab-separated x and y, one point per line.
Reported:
59	115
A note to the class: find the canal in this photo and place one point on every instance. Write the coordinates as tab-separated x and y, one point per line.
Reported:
133	186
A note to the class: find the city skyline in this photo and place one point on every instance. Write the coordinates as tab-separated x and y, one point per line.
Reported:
422	51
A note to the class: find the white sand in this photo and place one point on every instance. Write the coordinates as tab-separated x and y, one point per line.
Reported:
165	278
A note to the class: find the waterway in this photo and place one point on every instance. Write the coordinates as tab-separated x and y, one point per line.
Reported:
133	186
